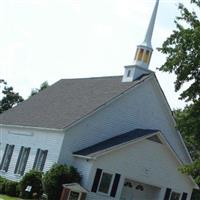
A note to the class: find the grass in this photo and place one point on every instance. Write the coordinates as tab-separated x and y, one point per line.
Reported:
5	197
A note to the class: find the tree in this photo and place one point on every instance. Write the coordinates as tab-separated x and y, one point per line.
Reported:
9	97
182	48
43	86
183	53
57	176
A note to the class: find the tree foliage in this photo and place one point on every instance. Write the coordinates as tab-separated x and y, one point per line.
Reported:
33	179
56	177
43	86
9	98
183	53
182	48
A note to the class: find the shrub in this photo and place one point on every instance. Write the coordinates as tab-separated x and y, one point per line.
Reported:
2	185
56	177
33	179
11	188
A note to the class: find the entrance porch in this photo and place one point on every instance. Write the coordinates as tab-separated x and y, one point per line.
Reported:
133	190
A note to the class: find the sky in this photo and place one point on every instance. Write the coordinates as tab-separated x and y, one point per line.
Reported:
48	40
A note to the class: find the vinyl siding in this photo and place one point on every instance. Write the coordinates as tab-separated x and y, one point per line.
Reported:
29	138
84	168
146	162
141	107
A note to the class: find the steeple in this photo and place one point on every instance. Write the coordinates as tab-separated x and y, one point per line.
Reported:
149	33
143	53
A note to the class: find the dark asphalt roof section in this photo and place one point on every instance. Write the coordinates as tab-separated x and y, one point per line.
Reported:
114	141
67	101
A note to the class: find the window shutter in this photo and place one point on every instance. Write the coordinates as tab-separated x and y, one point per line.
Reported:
115	185
9	157
44	159
25	161
167	193
184	196
83	196
96	180
17	164
2	161
36	158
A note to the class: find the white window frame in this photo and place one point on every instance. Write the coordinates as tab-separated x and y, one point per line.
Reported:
176	193
79	197
39	160
110	186
21	161
6	158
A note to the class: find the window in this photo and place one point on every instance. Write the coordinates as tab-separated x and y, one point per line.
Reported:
175	196
74	196
6	157
40	159
140	55
147	56
129	73
22	160
105	183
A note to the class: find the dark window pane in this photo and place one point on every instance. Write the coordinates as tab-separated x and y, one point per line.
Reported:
6	157
129	73
105	183
73	195
175	196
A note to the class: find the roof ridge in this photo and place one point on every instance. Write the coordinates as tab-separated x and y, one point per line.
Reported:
95	77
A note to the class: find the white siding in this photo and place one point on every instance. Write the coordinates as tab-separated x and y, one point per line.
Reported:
47	140
142	107
84	167
146	162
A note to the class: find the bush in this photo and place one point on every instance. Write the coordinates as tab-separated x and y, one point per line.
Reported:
195	195
11	188
34	179
2	185
56	177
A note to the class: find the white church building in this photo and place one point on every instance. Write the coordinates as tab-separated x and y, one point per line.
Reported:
119	132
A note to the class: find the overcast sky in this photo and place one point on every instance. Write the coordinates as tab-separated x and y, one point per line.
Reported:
46	40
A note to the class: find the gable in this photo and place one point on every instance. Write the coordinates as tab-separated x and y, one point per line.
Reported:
148	162
141	107
151	111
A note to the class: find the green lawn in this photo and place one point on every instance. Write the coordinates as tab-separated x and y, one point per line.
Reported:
4	197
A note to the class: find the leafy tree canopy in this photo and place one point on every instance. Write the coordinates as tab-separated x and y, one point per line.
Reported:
43	86
9	97
183	53
57	176
182	48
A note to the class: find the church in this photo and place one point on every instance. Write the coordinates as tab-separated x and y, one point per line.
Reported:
119	132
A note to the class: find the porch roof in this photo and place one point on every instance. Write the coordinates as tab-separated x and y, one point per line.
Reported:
75	187
115	141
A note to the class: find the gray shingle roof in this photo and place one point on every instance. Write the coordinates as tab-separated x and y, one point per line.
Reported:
66	101
114	141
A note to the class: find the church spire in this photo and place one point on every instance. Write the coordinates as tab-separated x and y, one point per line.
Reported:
149	33
143	52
